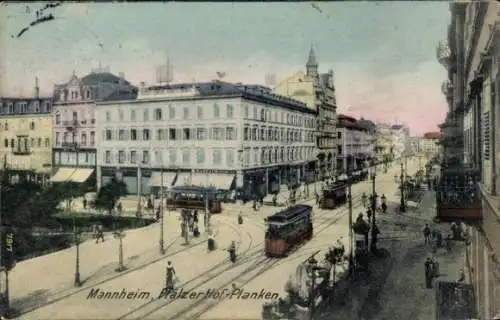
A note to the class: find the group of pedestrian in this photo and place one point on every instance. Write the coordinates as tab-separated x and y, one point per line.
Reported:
192	224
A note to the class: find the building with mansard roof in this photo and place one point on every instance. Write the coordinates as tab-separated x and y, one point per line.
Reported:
74	122
25	136
317	91
238	138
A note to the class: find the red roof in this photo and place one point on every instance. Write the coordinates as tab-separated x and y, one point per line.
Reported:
432	135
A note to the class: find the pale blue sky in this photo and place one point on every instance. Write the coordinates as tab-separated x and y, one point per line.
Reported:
383	54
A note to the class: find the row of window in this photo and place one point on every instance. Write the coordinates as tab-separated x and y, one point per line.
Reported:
277	134
256	156
74	118
24	142
67	137
259	114
276	155
159	115
144	157
22	107
216	133
5	126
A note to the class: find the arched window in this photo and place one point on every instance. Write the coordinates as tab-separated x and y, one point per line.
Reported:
6	126
39	142
12	143
47	142
58	118
262	115
32	125
32	142
6	143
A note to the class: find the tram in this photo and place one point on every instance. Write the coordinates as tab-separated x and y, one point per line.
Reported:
194	198
287	229
333	195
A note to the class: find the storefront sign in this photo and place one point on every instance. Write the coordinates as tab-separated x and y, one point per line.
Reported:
211	171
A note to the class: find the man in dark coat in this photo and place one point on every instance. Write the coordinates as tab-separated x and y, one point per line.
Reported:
428	273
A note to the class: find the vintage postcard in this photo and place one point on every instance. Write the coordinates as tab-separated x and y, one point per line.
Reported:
250	160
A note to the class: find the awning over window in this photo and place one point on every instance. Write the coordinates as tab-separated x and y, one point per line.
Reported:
221	181
168	179
79	175
183	179
63	175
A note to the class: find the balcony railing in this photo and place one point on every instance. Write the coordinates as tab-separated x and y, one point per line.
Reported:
69	145
70	124
20	151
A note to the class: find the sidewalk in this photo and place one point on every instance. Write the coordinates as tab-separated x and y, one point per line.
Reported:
37	281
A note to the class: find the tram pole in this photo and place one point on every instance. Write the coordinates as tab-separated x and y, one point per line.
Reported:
162	242
351	235
374	210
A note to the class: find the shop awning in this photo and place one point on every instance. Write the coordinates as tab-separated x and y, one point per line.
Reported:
199	180
168	179
81	175
183	179
221	181
63	175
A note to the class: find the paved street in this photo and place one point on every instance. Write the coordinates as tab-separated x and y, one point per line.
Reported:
141	249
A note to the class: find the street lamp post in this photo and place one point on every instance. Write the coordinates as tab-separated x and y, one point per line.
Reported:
374	210
119	234
162	242
351	235
402	207
312	270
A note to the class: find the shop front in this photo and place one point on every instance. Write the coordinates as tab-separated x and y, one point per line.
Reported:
130	177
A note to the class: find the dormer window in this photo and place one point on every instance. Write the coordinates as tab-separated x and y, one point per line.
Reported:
88	94
74	95
37	106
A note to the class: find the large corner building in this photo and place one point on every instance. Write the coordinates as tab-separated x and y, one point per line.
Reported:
317	91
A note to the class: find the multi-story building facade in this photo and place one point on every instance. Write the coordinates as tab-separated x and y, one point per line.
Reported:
471	136
429	143
400	140
384	143
206	134
318	92
355	148
74	122
25	136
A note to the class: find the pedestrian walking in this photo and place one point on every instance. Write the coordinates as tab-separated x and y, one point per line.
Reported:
119	207
158	214
195	216
461	275
196	230
435	267
170	277
428	273
427	233
439	239
100	234
84	202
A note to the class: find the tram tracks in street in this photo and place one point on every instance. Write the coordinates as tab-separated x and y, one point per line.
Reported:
263	265
59	296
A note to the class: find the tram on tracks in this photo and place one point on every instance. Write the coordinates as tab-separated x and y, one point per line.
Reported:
194	198
333	195
287	229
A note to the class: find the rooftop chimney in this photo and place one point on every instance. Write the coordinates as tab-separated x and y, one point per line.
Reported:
37	88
